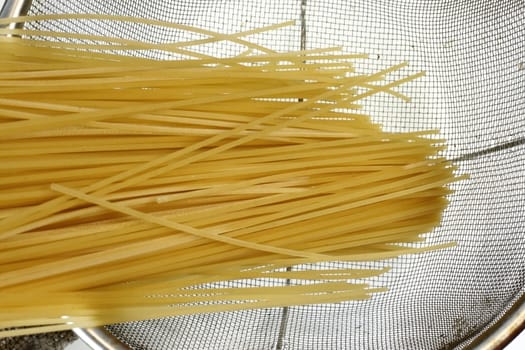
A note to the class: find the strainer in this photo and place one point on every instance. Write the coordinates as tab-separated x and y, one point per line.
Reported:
474	92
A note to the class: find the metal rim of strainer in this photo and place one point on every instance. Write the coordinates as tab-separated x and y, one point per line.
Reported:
497	336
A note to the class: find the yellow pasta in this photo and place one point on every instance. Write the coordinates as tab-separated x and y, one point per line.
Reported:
135	188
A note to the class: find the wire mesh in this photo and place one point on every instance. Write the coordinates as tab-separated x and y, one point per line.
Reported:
474	91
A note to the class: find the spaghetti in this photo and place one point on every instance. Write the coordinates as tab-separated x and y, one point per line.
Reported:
136	188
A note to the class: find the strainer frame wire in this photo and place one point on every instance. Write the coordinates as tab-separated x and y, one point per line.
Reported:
499	335
503	331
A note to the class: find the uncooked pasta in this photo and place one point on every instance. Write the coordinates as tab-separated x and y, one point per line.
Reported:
134	187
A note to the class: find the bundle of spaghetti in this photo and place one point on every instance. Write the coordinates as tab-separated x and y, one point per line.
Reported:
135	188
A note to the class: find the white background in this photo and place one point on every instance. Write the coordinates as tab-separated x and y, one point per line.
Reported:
518	343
